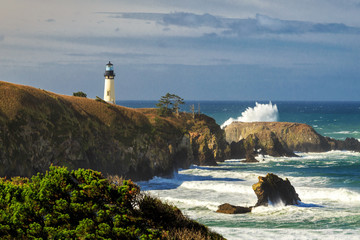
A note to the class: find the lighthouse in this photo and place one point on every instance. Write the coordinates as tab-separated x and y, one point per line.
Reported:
109	89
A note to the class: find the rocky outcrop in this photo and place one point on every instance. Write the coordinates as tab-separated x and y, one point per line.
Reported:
39	128
208	141
269	190
231	209
280	139
272	189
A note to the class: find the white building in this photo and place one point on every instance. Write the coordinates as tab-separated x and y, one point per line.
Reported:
109	89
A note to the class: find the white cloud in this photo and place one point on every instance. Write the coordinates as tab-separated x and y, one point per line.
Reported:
257	25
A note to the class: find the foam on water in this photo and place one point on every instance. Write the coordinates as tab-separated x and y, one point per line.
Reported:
221	187
193	203
347	132
286	234
330	195
259	113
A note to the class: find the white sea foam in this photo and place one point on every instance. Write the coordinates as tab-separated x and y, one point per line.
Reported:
300	234
259	113
325	156
222	187
213	206
334	195
347	132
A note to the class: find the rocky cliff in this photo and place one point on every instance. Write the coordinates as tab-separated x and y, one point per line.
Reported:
39	128
280	139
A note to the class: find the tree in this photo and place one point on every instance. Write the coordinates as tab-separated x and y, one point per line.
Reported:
169	100
163	105
177	102
80	94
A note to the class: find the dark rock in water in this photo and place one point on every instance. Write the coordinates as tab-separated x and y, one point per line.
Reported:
351	144
231	209
274	189
250	158
269	189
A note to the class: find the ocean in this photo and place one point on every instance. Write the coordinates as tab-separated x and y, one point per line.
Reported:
328	183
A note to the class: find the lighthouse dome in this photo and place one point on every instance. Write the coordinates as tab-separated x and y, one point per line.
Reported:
109	67
109	70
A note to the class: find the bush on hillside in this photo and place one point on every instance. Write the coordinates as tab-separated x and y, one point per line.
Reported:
80	94
82	204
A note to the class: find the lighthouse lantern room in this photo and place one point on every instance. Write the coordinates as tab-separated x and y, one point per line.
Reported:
109	89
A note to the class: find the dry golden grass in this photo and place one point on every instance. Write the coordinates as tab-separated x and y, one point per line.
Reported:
14	97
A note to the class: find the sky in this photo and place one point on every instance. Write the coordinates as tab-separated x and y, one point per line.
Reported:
200	50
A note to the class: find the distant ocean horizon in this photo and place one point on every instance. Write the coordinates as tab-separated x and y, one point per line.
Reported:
327	183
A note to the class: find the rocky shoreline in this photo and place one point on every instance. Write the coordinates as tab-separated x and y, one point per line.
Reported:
250	139
40	128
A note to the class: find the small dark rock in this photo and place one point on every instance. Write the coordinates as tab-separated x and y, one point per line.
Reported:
250	158
231	209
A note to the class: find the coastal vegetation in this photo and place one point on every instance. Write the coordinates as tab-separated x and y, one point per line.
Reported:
169	103
82	204
79	94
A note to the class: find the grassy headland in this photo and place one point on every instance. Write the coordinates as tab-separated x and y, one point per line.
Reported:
39	128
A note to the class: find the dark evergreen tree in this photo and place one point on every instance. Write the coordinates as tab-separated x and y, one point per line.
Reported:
169	103
80	94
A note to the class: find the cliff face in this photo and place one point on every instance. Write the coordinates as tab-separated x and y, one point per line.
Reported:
40	128
208	141
280	139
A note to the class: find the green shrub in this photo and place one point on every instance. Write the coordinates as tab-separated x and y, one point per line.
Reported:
80	94
63	204
82	204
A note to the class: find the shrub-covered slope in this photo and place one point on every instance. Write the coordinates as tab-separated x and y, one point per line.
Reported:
82	204
39	128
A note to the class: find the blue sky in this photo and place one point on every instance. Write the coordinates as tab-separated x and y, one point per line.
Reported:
200	50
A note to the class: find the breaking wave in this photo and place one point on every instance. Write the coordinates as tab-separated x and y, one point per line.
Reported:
259	113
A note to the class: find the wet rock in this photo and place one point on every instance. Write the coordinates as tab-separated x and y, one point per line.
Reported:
269	189
250	158
231	209
272	189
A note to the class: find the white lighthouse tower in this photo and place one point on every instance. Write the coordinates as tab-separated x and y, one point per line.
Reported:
109	89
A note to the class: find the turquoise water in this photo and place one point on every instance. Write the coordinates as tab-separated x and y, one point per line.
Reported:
327	183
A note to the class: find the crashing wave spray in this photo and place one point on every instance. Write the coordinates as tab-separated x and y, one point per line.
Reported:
259	113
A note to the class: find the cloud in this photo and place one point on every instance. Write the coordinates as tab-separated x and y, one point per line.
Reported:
138	15
265	24
112	55
50	20
260	24
2	37
192	20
